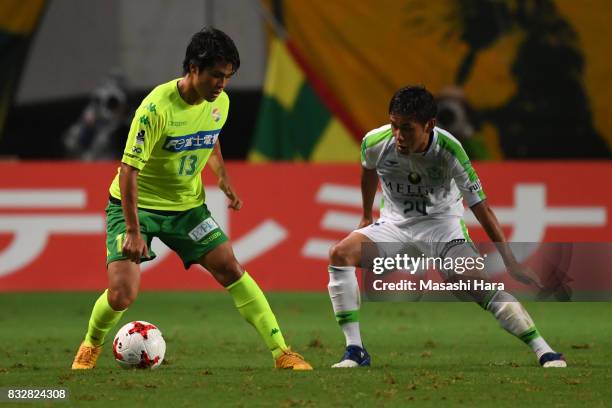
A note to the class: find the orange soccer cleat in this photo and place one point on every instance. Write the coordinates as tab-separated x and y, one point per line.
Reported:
86	357
291	360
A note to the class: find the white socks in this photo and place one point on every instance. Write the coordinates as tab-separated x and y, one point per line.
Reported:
344	294
513	317
540	346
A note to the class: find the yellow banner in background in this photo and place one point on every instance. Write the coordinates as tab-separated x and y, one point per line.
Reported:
533	76
18	20
20	16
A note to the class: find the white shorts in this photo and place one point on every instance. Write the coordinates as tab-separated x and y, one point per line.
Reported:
433	237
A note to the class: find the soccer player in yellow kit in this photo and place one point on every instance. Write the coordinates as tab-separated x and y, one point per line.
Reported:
158	192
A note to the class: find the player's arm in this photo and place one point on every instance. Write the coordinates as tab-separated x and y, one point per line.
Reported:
369	184
217	165
134	245
471	188
145	130
486	217
370	155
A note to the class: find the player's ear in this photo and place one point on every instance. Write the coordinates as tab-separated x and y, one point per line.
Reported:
431	123
193	69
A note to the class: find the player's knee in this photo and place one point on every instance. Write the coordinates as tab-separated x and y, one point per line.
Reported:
121	299
340	255
233	270
228	273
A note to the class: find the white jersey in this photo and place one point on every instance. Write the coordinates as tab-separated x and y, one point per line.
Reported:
421	184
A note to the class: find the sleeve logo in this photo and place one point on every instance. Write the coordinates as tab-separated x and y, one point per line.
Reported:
140	137
475	186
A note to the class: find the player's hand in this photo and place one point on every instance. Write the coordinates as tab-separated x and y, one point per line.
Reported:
235	201
134	247
365	221
524	274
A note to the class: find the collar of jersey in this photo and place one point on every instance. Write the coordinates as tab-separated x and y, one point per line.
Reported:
182	102
433	138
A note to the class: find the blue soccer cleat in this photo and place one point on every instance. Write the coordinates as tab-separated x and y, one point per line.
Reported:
354	356
549	360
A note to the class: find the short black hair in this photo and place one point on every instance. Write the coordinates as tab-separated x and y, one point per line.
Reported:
209	47
415	102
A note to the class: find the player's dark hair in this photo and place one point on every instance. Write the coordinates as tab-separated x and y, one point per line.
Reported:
209	47
416	102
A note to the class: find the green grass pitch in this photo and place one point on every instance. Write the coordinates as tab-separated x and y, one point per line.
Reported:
424	354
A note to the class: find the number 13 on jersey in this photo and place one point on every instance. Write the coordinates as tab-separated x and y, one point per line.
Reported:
187	165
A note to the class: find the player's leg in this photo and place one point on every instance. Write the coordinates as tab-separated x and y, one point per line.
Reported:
251	303
343	289
197	238
513	317
506	309
123	284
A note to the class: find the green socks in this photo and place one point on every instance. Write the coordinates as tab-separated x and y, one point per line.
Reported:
102	319
253	306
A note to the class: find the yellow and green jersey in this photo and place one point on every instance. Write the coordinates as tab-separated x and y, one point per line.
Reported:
170	141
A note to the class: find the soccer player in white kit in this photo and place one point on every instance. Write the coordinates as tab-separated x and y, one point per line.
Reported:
424	172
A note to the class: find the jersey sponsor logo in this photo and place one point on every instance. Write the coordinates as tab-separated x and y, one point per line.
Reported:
136	150
140	137
216	114
200	140
408	189
202	229
178	123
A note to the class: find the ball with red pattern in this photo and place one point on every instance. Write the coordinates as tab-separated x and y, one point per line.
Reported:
139	344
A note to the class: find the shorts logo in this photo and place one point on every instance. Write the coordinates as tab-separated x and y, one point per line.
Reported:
202	229
216	114
200	140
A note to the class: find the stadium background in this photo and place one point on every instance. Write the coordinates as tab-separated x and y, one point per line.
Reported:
526	80
526	85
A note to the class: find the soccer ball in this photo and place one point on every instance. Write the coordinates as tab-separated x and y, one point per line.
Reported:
139	345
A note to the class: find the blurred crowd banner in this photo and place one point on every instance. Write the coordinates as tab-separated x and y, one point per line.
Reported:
52	227
18	20
515	78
